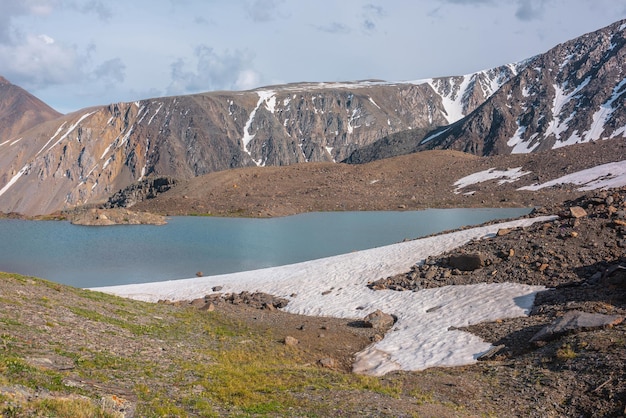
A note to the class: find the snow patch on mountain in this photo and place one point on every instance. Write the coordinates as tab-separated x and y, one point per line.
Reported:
556	127
601	116
507	176
521	146
14	179
600	177
268	98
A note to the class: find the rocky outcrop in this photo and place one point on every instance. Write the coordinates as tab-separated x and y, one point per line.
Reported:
140	191
107	217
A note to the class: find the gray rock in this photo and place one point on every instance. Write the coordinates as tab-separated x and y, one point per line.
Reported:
379	320
573	322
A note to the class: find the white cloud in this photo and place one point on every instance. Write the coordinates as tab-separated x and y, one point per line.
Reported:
248	79
263	10
37	61
214	71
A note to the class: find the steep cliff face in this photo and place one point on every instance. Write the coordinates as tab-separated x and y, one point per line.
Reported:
573	93
87	156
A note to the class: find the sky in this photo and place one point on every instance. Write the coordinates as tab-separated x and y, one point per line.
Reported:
74	54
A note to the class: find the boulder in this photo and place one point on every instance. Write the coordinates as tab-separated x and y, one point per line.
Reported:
379	320
291	341
577	212
573	322
466	262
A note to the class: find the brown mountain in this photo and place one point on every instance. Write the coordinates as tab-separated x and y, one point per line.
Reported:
20	110
573	93
87	156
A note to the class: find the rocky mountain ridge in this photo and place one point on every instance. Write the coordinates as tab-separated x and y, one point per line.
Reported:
573	93
86	156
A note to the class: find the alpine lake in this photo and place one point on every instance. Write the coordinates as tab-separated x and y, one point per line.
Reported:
90	256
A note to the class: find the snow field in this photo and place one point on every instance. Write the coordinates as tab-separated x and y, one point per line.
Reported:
337	287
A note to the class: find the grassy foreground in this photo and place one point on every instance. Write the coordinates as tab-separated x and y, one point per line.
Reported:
69	352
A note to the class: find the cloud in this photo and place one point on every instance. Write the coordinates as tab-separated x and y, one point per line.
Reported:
37	61
10	9
468	2
214	71
111	71
333	27
263	10
370	14
529	9
99	8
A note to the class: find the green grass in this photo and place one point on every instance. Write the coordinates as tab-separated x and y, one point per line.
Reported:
209	364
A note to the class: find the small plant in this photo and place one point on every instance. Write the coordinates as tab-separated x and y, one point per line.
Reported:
565	353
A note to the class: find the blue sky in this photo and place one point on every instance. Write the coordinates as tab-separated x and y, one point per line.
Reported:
78	53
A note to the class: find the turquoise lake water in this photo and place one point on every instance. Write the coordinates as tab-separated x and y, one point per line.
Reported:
88	256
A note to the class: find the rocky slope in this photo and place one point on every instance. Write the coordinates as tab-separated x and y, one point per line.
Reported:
86	156
416	181
19	111
571	94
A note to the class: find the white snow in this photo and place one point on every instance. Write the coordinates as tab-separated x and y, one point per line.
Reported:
267	97
271	104
622	27
356	114
421	337
69	130
52	137
435	135
106	151
155	113
5	142
14	179
373	102
125	138
520	146
507	176
453	103
600	177
617	132
329	150
601	116
556	126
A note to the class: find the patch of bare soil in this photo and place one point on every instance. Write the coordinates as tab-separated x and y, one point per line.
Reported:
416	181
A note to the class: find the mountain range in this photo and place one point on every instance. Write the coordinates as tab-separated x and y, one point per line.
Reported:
571	94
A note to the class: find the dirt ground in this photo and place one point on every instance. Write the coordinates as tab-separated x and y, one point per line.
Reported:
410	182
